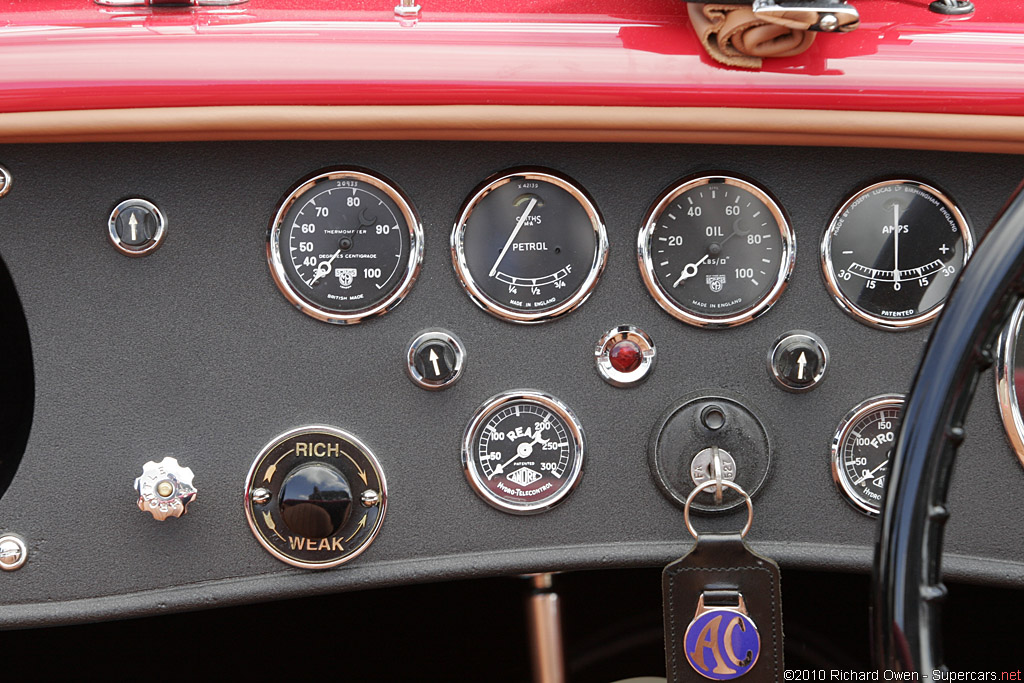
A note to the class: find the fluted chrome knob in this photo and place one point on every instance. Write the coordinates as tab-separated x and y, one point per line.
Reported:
165	489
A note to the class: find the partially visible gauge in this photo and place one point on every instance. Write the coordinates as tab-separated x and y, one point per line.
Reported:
716	251
1010	380
529	245
892	253
523	451
345	245
862	448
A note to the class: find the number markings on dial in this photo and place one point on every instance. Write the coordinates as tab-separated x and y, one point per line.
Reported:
493	462
354	246
529	245
704	275
892	252
298	229
861	450
523	452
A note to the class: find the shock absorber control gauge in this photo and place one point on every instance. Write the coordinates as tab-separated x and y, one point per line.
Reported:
862	449
716	251
529	245
345	245
892	253
523	451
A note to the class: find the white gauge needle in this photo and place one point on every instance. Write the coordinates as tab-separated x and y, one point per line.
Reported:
512	237
867	475
324	268
522	450
896	242
690	270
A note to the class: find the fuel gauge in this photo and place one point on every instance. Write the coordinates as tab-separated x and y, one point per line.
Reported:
529	245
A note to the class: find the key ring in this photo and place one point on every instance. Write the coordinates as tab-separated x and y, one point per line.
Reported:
727	484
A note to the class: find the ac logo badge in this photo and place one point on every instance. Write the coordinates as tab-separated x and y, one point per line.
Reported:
721	644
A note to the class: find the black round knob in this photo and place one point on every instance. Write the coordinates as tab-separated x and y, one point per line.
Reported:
316	500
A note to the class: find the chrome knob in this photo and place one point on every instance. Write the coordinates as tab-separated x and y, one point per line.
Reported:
165	489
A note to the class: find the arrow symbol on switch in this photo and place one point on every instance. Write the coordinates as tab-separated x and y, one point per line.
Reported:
801	364
433	361
132	223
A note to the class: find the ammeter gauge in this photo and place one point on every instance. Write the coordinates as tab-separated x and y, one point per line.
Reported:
892	253
523	451
529	245
862	449
716	251
345	245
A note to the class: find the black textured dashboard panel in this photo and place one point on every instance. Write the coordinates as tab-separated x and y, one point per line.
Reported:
193	352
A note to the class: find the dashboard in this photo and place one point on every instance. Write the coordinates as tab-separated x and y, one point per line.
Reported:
381	451
192	352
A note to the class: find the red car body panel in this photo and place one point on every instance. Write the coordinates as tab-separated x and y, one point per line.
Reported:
71	54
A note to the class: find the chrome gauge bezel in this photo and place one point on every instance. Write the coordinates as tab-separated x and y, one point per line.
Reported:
832	281
664	299
315	429
496	308
1009	406
412	266
845	487
5	181
492	406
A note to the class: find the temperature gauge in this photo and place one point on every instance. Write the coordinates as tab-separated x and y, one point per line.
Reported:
892	253
862	449
345	245
523	451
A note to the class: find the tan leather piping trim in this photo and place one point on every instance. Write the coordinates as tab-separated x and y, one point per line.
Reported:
955	132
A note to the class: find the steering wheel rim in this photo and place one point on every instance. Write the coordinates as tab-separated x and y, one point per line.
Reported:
907	591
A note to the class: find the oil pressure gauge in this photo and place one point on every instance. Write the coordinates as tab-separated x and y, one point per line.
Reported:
529	245
892	253
716	251
345	245
862	449
523	451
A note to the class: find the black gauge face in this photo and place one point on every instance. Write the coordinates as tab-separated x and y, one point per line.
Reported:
523	452
345	245
862	450
893	251
716	251
529	246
